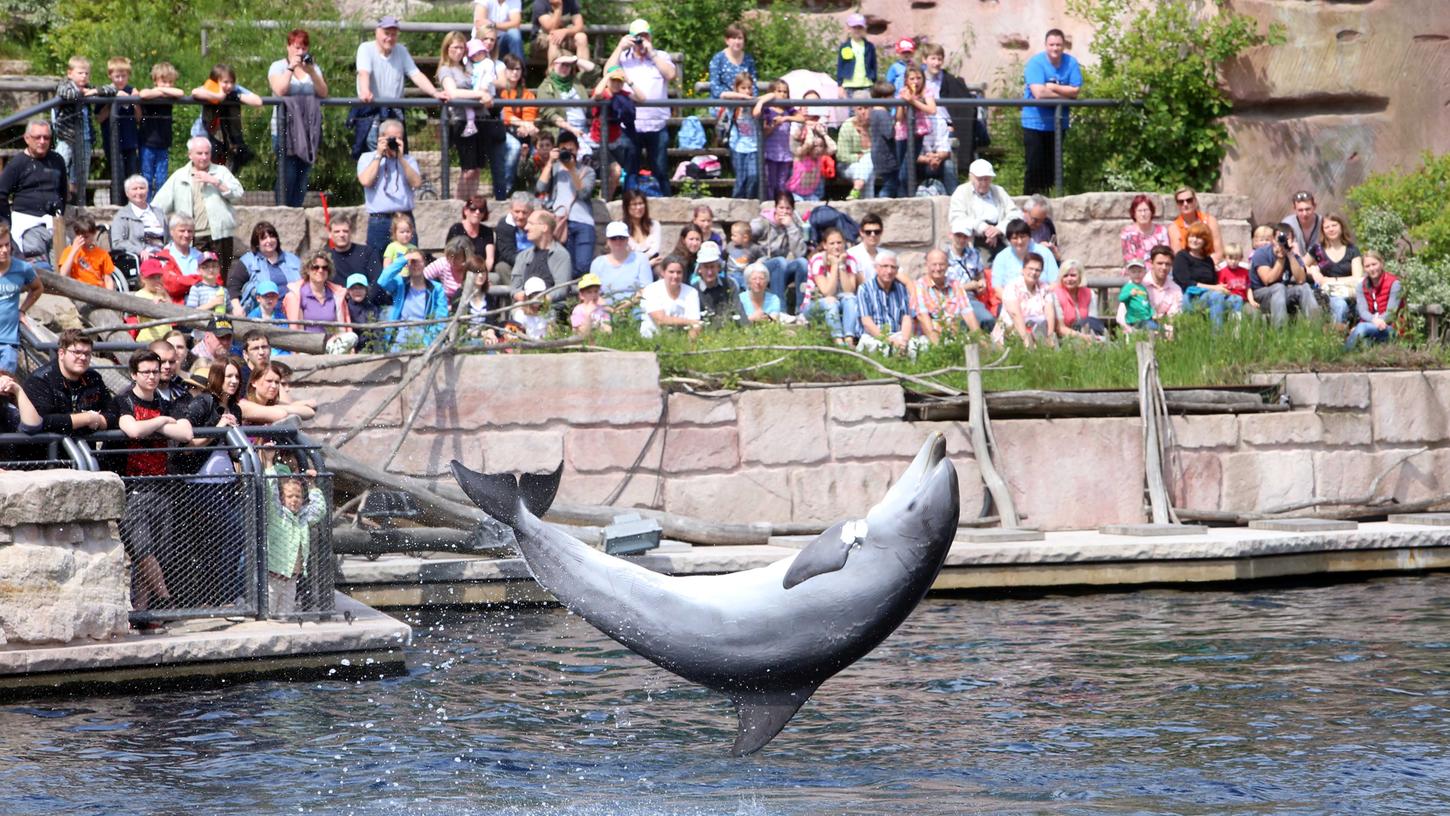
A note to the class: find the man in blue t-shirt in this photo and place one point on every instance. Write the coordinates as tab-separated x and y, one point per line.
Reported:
19	290
1051	74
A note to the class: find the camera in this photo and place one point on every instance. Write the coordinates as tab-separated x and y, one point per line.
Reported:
638	39
307	58
1284	241
566	156
393	143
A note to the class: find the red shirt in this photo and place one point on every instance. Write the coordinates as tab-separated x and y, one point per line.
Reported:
1236	278
143	464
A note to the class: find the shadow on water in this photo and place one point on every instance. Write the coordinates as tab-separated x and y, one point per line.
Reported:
1281	700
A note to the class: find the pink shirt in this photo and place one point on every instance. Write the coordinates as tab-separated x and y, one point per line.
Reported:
1167	299
442	271
1136	245
1072	308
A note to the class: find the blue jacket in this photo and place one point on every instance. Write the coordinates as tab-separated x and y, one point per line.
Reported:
396	285
846	68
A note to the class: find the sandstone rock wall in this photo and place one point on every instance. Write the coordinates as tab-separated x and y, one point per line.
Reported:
63	572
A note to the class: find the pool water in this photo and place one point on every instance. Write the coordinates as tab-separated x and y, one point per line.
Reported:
1331	699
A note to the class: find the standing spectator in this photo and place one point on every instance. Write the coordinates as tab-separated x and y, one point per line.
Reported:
519	122
471	226
156	119
1050	74
546	260
782	236
1037	212
388	175
221	117
621	271
292	509
1143	233
1339	266
70	395
644	231
1007	266
138	228
856	59
1279	279
942	84
510	238
886	321
757	304
649	72
20	288
568	184
207	193
85	261
1029	307
73	123
1194	272
1075	305
126	155
853	152
562	83
505	16
33	193
456	79
914	117
1188	215
414	298
810	144
668	303
719	296
382	65
831	289
298	79
349	258
905	59
266	261
1377	303
941	303
775	123
1304	221
741	127
317	298
882	128
559	26
1165	295
730	62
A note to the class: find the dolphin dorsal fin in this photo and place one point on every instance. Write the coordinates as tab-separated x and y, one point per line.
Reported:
827	553
763	715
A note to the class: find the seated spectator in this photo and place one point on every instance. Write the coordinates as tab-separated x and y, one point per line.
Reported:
756	303
214	217
1188	215
886	321
687	247
510	238
530	320
704	218
719	296
175	281
730	62
1075	305
20	289
17	413
1279	279
810	144
83	260
1029	307
668	303
1233	274
1337	267
69	395
348	258
591	314
644	231
741	252
942	305
545	260
316	297
782	237
1304	222
567	183
1037	212
1143	232
831	289
181	228
622	272
649	72
266	261
965	266
451	269
382	66
505	17
33	190
291	512
853	152
208	294
263	404
1377	303
414	298
562	83
269	302
1194	272
215	340
981	209
1135	310
559	27
138	228
865	250
856	59
362	310
1165	295
1007	266
151	289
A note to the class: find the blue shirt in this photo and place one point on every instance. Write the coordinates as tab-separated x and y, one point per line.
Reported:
1039	71
618	283
12	285
888	309
1006	268
772	304
391	191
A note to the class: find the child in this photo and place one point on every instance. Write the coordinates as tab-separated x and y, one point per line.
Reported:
1233	273
209	295
1135	311
151	289
590	315
853	150
530	316
743	144
127	146
776	126
83	260
290	512
266	308
742	251
402	234
221	119
882	127
810	143
155	133
72	121
484	69
361	310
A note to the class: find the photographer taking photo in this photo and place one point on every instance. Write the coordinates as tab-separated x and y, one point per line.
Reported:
388	176
1278	277
568	184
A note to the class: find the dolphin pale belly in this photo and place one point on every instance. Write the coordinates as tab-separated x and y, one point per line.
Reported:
767	637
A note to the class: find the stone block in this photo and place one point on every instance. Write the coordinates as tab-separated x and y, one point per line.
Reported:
1069	474
832	492
700	449
1206	431
998	535
522	451
1288	428
1346	429
1421	519
592	450
1303	525
291	224
856	403
1406	408
305	372
1153	530
783	427
342	407
583	488
1302	389
56	594
1223	207
1344	390
422	454
433	218
1260	480
907	223
1200	480
877	440
688	409
58	496
1083	240
752	494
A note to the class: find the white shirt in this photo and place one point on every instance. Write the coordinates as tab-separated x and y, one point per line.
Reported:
649	84
656	297
970	213
499	10
865	264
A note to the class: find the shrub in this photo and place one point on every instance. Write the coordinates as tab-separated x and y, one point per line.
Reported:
1415	197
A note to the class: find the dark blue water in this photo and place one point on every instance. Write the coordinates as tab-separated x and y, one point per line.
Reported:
1284	701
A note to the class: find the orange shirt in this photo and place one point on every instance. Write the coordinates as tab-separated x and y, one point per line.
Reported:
93	266
512	116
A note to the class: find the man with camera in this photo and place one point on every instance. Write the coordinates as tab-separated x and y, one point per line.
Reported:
649	73
389	175
568	185
1278	278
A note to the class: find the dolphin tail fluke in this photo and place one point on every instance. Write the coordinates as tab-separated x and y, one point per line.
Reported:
539	490
496	494
762	716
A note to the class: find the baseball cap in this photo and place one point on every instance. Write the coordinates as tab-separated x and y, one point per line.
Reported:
639	27
616	229
614	72
1133	263
357	279
905	45
208	257
709	253
388	21
981	168
221	327
152	267
856	21
534	286
267	287
475	46
590	279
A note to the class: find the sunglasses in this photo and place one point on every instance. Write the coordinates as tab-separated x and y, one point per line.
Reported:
870	232
1184	200
319	266
472	208
1303	197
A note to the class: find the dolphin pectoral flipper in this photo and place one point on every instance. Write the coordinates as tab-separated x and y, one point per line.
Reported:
496	494
827	553
763	715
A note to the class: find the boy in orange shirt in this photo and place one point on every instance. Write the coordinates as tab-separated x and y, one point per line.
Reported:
83	260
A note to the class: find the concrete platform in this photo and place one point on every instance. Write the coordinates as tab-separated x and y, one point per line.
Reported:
361	643
1078	559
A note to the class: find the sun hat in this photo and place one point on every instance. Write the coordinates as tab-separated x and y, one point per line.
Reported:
535	286
590	280
856	21
709	253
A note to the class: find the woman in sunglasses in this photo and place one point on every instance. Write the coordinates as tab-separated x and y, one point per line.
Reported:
1188	215
316	297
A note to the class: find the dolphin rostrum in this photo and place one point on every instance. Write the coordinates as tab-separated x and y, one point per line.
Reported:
766	637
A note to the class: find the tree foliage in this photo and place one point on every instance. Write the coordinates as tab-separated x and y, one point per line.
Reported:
1403	215
781	39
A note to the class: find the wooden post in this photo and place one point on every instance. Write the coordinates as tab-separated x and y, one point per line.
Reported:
1150	408
982	444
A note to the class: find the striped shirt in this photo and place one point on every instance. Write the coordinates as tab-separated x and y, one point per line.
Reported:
940	304
887	309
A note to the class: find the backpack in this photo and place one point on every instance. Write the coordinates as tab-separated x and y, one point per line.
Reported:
824	217
691	135
930	187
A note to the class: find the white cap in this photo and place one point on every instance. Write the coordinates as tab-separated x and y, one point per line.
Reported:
981	168
616	229
709	253
534	286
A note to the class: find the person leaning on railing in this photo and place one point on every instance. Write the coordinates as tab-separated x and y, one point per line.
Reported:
70	396
20	288
382	65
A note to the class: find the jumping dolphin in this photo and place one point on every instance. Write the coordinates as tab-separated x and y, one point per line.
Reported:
767	637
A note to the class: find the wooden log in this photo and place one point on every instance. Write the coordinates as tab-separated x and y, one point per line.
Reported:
1093	403
304	342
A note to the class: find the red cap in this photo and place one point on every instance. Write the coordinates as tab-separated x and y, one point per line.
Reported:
153	267
905	46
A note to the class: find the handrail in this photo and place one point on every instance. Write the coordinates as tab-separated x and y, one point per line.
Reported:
34	110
